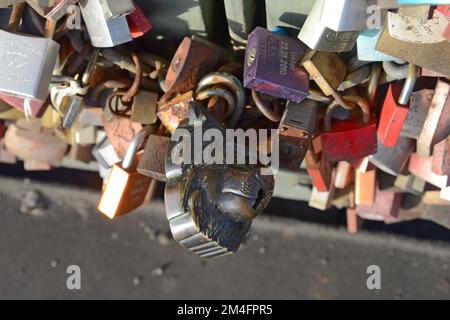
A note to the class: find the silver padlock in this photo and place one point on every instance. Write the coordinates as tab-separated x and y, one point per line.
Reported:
104	32
26	65
319	37
114	9
345	15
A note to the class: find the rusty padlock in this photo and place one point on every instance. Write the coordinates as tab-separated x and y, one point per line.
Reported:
153	160
172	112
349	139
193	59
395	108
121	132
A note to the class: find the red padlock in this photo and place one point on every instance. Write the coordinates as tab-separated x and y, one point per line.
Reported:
395	108
138	22
320	171
349	139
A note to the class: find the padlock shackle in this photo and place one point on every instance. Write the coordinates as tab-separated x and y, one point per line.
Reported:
408	87
133	148
206	94
360	102
396	70
374	81
226	79
273	114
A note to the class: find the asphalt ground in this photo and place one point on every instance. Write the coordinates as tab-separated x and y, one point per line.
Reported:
47	227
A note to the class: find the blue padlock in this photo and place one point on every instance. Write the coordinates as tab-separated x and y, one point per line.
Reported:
366	44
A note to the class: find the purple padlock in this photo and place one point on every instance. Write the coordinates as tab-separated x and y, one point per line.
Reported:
273	65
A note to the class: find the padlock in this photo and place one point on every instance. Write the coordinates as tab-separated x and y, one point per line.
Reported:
410	184
358	77
395	108
138	22
33	108
328	70
120	132
114	9
427	55
426	21
323	200
55	13
217	80
366	44
353	221
445	10
8	3
362	164
33	165
393	160
365	187
125	188
437	122
104	31
28	140
345	15
104	154
171	113
193	59
144	107
26	65
419	105
434	198
441	158
6	156
344	175
350	139
15	17
153	160
341	199
81	153
91	117
318	169
210	208
273	65
385	208
296	128
318	37
422	167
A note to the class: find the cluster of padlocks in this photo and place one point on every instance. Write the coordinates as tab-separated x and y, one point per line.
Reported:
359	99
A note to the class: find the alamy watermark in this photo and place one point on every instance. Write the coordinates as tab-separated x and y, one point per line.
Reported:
374	280
249	147
73	281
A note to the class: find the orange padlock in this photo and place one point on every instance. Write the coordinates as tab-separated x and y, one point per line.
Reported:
125	188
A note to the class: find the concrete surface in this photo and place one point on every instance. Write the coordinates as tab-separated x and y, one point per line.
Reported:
43	232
